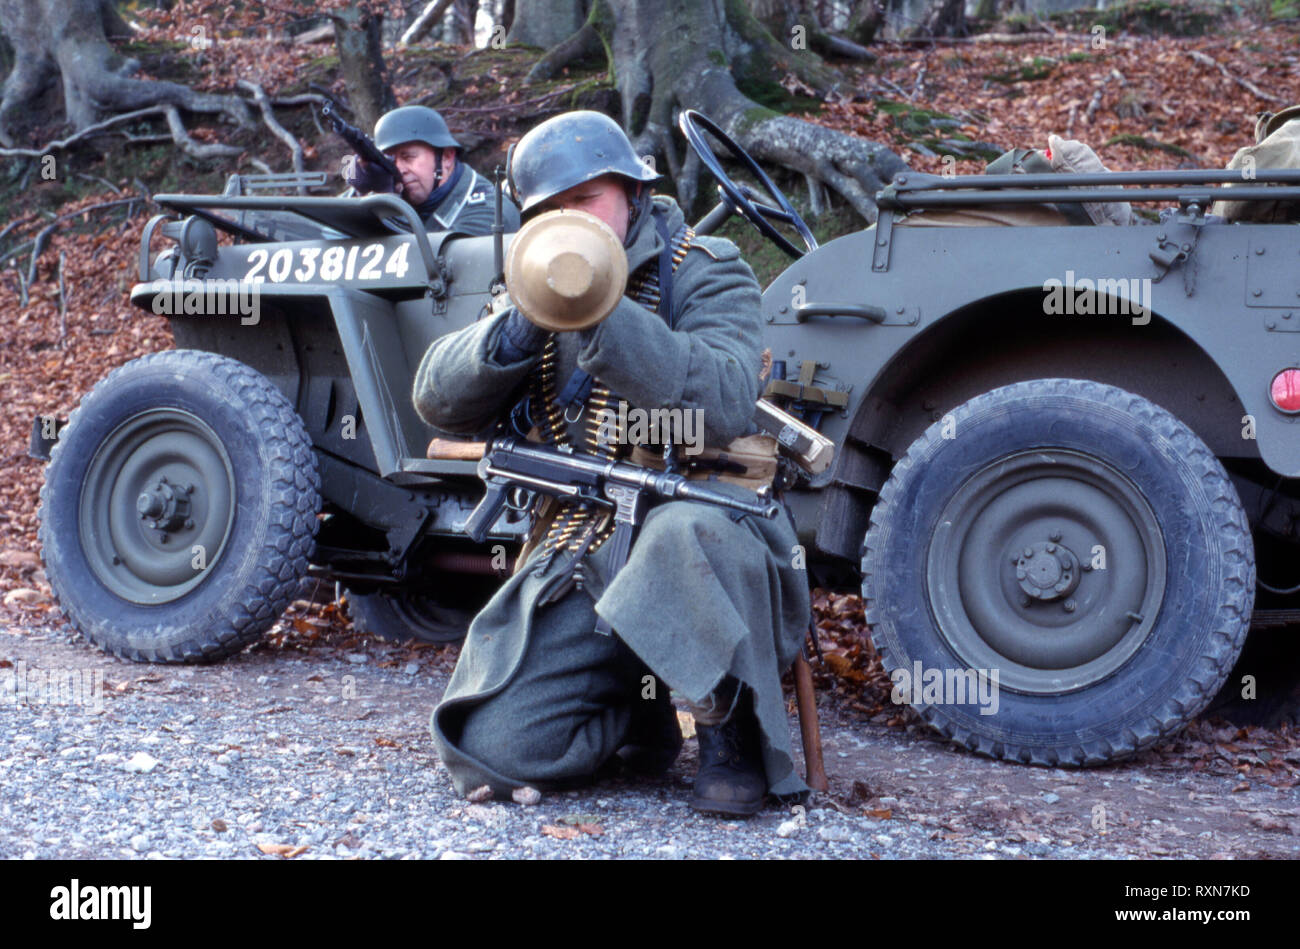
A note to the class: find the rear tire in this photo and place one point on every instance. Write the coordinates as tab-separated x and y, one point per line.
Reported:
1080	542
179	508
403	615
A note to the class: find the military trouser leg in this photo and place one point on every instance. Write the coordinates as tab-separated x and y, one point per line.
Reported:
567	708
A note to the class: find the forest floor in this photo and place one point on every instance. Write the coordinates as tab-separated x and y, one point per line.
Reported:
315	744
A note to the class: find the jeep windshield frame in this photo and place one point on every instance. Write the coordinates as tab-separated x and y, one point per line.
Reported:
911	191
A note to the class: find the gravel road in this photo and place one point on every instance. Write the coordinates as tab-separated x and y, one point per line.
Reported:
320	750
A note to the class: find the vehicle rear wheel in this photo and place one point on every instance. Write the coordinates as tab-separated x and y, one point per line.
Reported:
179	508
404	614
1058	572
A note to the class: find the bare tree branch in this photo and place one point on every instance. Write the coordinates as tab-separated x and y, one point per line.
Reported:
426	21
279	131
1244	83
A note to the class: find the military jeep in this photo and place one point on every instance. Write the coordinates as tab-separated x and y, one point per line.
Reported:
1060	448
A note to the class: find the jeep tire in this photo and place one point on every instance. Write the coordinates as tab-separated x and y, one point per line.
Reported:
1077	539
179	508
403	614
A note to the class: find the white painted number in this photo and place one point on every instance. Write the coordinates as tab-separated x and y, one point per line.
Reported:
308	268
281	261
331	267
371	257
258	260
397	264
335	263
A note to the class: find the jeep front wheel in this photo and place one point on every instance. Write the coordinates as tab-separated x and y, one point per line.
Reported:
179	508
1058	572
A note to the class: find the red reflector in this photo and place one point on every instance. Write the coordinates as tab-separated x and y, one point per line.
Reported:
1285	390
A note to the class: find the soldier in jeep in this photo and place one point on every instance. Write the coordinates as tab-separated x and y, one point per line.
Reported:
446	192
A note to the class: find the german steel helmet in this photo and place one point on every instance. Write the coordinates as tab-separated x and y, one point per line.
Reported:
567	150
413	123
566	270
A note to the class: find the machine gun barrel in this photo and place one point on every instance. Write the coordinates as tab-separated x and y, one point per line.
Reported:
509	462
360	142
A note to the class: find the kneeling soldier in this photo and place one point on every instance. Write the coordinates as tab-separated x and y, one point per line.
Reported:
709	602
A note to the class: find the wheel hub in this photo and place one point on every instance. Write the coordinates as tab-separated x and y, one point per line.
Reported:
157	506
1047	570
1008	590
165	506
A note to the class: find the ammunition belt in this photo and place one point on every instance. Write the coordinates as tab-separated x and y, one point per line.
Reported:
602	433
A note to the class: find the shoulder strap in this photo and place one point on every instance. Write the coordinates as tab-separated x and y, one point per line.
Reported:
666	268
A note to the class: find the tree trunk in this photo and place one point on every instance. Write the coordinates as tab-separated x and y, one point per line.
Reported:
66	39
357	33
715	59
866	21
546	23
942	18
458	28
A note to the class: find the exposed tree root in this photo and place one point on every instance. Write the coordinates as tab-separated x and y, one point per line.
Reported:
581	45
661	72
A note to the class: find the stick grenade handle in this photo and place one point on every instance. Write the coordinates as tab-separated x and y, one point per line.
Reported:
448	449
809	730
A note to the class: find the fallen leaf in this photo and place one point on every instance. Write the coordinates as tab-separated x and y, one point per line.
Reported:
560	833
25	598
19	558
527	796
884	814
386	743
577	820
594	829
219	826
288	851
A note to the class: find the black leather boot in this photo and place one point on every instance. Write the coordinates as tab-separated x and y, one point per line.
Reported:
654	737
731	779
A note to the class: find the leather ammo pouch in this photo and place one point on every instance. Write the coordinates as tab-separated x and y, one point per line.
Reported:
749	461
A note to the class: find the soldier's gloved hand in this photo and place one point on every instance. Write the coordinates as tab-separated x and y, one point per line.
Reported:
519	338
369	178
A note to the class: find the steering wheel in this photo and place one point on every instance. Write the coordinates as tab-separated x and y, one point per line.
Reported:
739	197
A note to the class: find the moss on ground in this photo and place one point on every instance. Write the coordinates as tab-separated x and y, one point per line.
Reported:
1141	141
1166	17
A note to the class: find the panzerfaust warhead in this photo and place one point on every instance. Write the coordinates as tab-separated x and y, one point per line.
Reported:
1067	497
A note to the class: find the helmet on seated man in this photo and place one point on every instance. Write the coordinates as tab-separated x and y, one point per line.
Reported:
445	192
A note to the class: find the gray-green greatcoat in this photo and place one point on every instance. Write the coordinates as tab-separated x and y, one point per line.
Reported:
538	697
